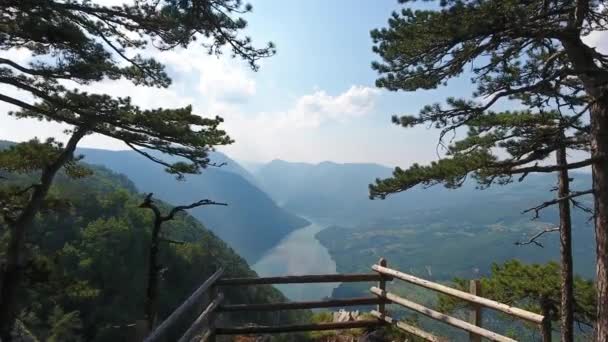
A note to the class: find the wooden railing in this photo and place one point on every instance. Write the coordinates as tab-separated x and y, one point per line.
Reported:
303	279
474	329
203	323
204	328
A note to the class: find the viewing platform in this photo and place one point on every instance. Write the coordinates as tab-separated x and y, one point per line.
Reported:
206	328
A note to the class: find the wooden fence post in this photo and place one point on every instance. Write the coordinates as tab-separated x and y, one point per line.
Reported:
212	295
475	314
382	286
141	330
546	324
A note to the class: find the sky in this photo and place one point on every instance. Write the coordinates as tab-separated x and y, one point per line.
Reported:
314	101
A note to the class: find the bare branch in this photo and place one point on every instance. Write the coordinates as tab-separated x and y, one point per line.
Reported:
218	165
171	241
26	189
538	235
544	205
149	203
177	209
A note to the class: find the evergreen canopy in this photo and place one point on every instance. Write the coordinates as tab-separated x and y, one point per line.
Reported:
78	42
525	51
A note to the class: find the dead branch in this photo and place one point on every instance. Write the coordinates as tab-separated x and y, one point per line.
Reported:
177	209
544	205
171	241
538	235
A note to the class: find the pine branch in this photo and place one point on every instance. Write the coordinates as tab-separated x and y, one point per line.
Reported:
552	168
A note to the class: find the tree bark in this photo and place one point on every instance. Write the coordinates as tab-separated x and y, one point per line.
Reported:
11	274
584	64
599	149
565	233
151	304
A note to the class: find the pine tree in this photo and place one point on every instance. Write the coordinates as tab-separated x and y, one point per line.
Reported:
531	52
80	42
524	137
535	287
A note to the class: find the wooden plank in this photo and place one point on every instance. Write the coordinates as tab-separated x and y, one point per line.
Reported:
331	303
441	317
408	328
175	316
475	314
197	326
513	311
297	328
302	279
206	336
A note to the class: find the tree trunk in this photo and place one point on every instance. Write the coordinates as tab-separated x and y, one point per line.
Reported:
565	234
599	150
10	275
153	270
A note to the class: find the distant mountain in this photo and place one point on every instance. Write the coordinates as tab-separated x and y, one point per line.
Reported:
336	192
251	223
339	192
435	232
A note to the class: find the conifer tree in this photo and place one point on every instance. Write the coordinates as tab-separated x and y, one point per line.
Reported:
525	137
535	287
531	52
80	42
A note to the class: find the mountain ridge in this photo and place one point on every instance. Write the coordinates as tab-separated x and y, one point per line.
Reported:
251	223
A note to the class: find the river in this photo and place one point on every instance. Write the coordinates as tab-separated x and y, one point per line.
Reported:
299	253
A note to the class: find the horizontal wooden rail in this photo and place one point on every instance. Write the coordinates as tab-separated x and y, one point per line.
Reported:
302	279
441	317
408	328
206	336
510	310
331	303
301	327
197	326
158	333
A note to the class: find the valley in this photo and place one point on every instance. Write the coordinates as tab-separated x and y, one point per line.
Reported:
299	253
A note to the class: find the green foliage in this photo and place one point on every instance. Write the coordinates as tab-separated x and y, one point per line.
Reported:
497	147
528	286
35	155
85	42
523	52
64	326
86	277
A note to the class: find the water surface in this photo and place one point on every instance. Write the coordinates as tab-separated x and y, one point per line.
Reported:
299	253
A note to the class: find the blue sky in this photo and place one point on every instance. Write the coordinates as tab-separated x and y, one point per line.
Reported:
314	101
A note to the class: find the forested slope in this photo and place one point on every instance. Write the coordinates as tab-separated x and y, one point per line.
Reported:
86	280
251	223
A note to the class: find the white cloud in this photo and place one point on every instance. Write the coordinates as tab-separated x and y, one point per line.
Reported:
217	79
313	110
296	132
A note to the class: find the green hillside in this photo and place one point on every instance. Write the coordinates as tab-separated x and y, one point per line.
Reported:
251	223
87	277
